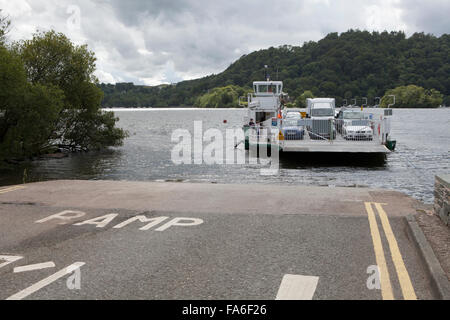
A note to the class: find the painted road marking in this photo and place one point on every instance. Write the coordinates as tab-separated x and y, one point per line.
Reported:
10	189
402	273
33	267
99	222
152	222
296	287
188	222
45	282
65	217
386	287
8	260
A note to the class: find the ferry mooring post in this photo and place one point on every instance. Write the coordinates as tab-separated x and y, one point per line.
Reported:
379	101
392	104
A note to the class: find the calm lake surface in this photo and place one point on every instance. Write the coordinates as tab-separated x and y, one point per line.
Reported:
423	146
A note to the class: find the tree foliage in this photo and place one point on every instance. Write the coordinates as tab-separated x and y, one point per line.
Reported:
51	59
412	97
224	97
300	102
353	64
49	99
5	24
28	111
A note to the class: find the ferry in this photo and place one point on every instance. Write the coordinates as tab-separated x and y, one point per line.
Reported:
269	124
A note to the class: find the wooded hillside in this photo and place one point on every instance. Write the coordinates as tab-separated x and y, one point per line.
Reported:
352	64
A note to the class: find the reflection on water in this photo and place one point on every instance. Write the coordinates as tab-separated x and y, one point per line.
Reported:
422	151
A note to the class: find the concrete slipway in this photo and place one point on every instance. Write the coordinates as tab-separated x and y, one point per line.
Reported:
150	240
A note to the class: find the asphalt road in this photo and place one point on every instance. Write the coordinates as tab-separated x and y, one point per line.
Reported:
237	253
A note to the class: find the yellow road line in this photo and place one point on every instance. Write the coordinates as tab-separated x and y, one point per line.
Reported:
10	189
386	288
402	273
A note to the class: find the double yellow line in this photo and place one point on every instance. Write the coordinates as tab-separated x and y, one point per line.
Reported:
10	189
402	273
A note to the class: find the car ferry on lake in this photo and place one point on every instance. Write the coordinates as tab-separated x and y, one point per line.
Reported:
270	125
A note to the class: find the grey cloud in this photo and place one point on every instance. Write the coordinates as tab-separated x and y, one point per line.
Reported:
132	12
159	41
429	17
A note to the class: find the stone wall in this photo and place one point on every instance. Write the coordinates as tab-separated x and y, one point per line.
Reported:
441	197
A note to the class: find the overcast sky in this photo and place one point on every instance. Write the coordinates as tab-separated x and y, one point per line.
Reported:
165	41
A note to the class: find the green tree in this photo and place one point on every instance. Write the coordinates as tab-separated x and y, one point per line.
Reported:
222	97
5	24
28	113
446	101
412	96
300	102
51	59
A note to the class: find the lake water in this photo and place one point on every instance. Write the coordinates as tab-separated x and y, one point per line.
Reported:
423	145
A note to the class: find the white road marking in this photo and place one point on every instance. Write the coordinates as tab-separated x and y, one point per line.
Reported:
188	222
33	267
64	216
43	283
144	219
296	287
100	222
8	260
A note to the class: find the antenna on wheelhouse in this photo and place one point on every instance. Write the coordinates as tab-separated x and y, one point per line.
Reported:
266	73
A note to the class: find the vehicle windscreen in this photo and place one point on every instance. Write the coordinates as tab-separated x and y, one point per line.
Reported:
353	115
291	123
322	105
328	112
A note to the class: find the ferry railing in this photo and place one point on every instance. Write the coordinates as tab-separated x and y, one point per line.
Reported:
262	135
241	104
364	130
334	131
321	129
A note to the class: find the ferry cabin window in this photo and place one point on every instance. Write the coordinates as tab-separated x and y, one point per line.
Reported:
262	89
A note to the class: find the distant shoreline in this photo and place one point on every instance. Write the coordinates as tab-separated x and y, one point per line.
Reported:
225	108
168	109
